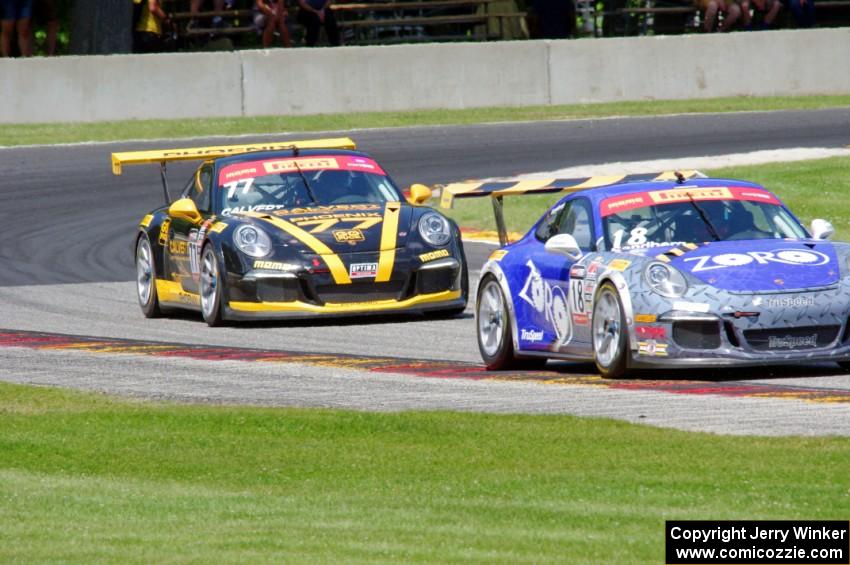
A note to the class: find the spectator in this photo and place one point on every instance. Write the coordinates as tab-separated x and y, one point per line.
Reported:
148	36
272	15
555	18
17	15
218	6
46	13
313	15
768	8
730	9
803	12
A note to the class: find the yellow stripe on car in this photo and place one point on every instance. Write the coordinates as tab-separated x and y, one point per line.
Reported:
389	235
171	291
331	259
330	308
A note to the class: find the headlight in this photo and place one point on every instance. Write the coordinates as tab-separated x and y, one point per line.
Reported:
434	229
252	241
665	280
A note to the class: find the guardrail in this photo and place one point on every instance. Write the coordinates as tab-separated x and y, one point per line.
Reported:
405	77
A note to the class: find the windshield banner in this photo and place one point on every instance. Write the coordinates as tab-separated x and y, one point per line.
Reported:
253	169
625	202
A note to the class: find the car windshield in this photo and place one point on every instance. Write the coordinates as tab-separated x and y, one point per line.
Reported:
277	184
674	217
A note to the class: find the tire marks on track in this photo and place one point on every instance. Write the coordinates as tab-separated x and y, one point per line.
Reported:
563	375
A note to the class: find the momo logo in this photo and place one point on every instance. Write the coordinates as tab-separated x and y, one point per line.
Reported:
548	300
799	257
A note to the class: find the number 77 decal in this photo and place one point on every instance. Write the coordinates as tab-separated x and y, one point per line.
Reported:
324	224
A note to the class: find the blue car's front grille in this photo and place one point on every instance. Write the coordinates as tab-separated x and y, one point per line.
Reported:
790	339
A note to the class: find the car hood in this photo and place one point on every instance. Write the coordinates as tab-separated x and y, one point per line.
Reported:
760	265
343	228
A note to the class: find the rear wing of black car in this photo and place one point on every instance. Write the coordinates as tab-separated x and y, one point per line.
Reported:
164	156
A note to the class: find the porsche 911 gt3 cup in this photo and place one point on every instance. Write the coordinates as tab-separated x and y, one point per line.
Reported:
665	270
294	229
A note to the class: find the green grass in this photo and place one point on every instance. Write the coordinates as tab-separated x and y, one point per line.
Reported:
13	134
85	477
812	189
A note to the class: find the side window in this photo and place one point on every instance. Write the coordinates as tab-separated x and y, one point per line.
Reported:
576	220
549	226
202	188
198	188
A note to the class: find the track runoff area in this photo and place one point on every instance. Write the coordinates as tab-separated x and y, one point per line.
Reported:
436	359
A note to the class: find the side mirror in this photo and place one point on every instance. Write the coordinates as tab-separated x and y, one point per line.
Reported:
419	194
822	229
565	244
184	209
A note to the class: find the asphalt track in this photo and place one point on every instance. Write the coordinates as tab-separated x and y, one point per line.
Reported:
65	263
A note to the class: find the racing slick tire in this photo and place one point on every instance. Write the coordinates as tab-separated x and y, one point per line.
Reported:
146	278
495	337
609	333
211	288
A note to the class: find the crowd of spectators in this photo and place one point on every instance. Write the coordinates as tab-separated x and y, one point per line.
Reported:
16	21
153	27
274	21
726	15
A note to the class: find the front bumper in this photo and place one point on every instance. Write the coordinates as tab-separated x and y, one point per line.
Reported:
746	330
445	300
260	294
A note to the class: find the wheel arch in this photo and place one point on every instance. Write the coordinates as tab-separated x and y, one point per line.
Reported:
620	283
493	268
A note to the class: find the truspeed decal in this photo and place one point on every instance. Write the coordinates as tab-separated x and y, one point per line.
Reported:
626	202
253	169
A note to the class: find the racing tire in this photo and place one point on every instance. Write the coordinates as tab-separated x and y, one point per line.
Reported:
609	333
495	337
146	278
211	288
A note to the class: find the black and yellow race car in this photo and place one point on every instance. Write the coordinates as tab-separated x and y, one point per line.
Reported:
294	229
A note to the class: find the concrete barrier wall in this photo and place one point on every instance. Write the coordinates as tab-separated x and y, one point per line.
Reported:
779	63
120	87
406	77
400	77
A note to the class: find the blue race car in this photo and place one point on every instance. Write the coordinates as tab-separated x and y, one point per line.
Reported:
669	270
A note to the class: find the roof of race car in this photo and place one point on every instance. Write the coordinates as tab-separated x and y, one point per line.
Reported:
260	155
602	192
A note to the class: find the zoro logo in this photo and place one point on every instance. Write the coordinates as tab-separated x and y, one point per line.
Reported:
547	300
781	256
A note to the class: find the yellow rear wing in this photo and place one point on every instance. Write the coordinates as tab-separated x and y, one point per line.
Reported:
162	156
517	188
498	189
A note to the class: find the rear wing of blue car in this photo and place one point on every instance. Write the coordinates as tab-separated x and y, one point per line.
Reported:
496	190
